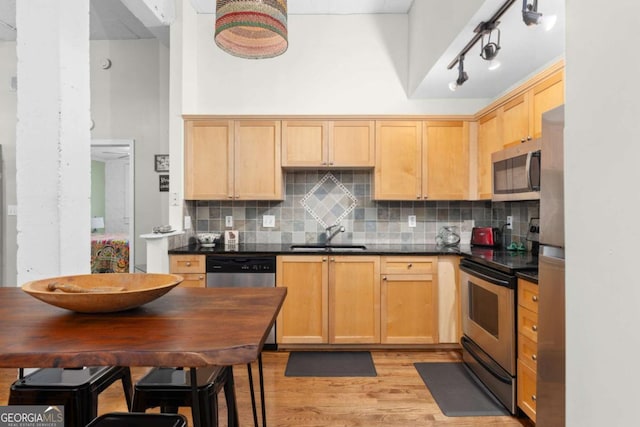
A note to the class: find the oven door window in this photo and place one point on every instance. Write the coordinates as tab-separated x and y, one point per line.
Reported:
483	308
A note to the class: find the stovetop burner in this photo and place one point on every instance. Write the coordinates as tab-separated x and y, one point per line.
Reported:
503	260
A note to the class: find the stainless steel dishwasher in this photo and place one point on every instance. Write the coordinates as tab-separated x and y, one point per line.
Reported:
237	271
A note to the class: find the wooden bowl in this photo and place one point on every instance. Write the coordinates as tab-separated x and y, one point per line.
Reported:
102	293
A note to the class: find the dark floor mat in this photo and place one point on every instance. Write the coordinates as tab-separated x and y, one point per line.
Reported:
330	364
457	392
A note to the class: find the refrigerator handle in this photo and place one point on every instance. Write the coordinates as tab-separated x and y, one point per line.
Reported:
551	252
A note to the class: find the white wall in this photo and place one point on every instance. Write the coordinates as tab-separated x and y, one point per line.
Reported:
130	101
603	190
8	62
348	64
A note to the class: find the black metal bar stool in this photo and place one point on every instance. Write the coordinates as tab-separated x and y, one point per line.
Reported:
76	389
129	419
170	388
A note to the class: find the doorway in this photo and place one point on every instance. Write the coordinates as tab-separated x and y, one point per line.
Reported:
112	204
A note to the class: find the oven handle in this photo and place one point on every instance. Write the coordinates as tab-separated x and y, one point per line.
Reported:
490	279
468	345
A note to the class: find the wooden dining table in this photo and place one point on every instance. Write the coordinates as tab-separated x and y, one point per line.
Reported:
188	327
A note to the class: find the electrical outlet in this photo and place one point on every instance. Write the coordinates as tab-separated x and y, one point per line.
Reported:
228	221
411	221
509	222
268	221
187	222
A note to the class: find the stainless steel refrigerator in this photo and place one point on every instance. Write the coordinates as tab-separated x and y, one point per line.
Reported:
550	406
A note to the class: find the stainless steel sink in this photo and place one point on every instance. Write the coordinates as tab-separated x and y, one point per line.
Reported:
327	248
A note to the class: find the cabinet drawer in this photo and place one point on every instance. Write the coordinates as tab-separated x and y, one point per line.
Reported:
187	263
409	265
527	351
528	295
528	323
193	280
527	390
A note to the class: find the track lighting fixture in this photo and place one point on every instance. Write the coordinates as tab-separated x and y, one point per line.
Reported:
462	76
488	48
530	14
488	51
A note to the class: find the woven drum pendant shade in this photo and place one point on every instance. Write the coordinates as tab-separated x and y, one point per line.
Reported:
252	28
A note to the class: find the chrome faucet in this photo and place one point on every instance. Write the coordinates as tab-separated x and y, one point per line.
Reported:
331	234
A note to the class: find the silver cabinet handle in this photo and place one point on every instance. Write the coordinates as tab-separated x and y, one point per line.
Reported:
409	265
534	357
384	277
188	263
535	328
533	397
200	277
324	259
535	298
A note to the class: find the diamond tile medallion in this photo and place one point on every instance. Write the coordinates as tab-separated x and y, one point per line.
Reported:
329	201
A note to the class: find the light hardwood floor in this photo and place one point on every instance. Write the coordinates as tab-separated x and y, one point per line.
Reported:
396	397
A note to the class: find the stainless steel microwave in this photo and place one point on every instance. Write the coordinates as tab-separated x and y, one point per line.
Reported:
516	172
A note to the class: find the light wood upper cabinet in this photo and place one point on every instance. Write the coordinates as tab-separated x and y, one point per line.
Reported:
445	163
354	299
522	115
488	141
208	159
546	95
515	121
328	144
304	317
226	159
257	165
398	170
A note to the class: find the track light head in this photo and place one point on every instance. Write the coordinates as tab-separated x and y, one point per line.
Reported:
462	76
489	49
530	14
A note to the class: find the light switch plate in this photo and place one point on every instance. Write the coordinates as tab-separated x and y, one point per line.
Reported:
268	221
412	221
228	221
187	222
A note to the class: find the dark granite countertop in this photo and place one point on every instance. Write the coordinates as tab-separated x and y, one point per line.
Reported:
531	276
285	249
496	258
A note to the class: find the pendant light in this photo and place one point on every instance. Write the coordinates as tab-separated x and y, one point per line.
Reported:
252	29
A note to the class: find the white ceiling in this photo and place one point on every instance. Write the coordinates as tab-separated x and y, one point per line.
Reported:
524	50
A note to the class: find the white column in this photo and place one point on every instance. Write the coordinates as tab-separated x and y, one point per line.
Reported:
53	167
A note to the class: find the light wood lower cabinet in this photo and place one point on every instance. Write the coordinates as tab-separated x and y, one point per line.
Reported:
191	267
354	299
304	317
360	299
527	346
409	295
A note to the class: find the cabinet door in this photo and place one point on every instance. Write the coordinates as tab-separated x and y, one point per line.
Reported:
354	300
257	164
352	143
547	94
207	160
489	141
445	163
304	143
303	318
398	169
515	121
409	312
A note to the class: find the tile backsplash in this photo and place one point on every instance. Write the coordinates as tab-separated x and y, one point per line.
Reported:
317	199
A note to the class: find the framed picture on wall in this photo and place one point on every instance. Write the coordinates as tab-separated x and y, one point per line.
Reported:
162	162
164	182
